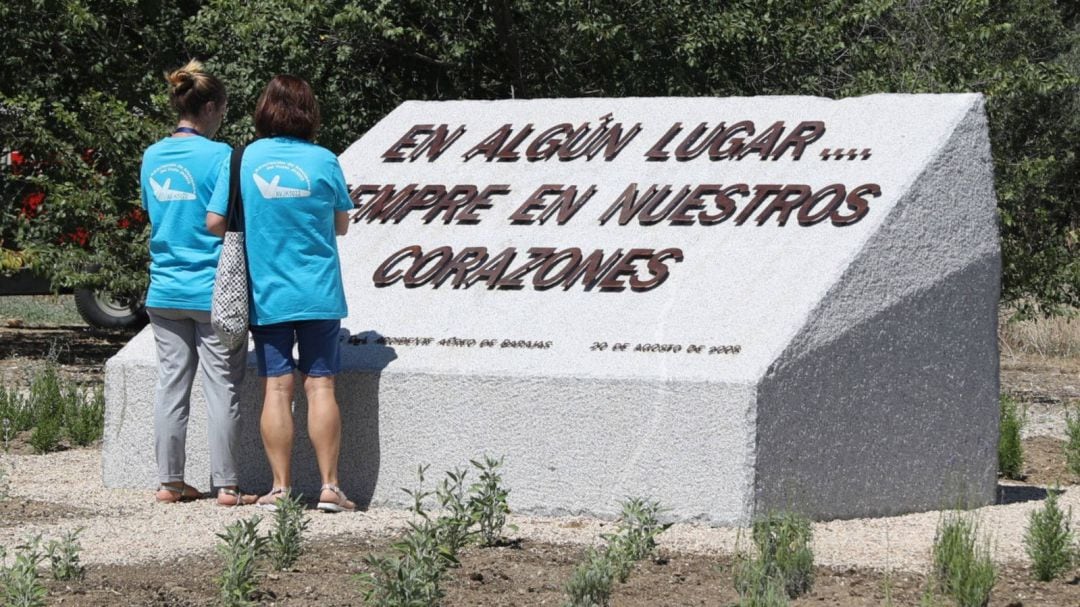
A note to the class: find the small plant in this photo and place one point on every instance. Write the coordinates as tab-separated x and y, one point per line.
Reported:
1010	449
487	501
757	583
781	557
84	420
635	538
45	437
5	480
783	540
962	565
240	548
1049	539
21	585
15	412
47	395
590	585
453	525
1072	442
285	542
64	557
9	432
412	577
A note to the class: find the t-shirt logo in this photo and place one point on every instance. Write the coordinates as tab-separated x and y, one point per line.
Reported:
299	186
161	181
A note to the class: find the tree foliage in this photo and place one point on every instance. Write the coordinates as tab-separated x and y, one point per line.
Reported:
80	97
364	57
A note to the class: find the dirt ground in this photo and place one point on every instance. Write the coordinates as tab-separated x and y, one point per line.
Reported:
527	573
329	574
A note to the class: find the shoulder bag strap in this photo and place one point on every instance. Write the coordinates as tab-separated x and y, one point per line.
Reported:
234	220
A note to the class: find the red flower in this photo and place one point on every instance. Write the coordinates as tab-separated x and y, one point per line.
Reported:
80	236
31	204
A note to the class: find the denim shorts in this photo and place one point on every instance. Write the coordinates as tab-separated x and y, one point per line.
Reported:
320	350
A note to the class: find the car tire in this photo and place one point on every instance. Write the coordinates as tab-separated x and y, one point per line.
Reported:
106	312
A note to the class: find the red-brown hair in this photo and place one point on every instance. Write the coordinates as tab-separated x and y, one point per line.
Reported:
287	107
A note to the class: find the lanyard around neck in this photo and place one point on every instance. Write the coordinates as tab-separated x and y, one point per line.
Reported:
187	129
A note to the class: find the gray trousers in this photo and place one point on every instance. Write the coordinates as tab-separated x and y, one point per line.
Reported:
185	339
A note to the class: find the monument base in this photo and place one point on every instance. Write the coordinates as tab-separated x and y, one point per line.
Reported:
571	445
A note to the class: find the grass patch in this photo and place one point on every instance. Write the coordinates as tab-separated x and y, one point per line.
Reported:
1055	336
40	310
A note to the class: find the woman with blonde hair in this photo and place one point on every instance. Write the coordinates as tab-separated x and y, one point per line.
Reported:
178	176
295	202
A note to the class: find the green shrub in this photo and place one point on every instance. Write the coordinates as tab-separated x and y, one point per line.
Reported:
47	396
782	553
453	527
1072	443
635	537
590	585
15	413
84	420
64	557
757	583
285	542
1049	539
410	578
20	582
45	437
962	565
240	548
1010	450
487	501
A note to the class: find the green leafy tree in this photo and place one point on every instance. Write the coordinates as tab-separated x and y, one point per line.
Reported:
81	95
364	57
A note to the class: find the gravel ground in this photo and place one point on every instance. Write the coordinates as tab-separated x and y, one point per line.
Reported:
128	527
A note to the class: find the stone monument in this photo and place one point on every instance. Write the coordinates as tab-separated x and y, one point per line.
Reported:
729	305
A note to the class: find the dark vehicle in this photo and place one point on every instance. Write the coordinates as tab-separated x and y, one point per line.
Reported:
97	309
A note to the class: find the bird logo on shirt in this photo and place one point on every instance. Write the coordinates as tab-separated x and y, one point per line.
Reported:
164	191
275	171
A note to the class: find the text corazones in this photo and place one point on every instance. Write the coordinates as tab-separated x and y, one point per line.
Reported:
802	205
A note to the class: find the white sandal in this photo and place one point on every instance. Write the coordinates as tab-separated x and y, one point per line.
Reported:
343	504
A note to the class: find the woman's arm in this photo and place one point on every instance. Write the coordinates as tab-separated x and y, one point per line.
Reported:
341	222
215	223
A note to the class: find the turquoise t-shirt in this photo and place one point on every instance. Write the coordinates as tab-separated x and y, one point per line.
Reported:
291	189
178	175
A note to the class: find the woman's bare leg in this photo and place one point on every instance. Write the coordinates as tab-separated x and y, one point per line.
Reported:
276	424
324	425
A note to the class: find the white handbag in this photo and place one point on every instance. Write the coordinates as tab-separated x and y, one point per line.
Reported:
229	306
